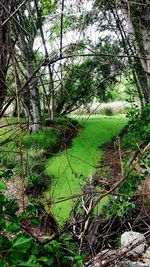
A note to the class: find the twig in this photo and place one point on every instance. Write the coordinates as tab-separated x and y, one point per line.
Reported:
16	10
120	157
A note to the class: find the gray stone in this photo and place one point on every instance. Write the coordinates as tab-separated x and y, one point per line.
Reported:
131	238
131	264
146	256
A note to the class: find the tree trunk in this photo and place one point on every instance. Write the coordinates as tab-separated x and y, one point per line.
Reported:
31	94
138	26
50	96
35	100
4	49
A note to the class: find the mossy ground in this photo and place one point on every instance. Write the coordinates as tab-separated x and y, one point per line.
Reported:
71	168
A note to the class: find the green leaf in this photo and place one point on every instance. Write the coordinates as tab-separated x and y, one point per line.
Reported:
43	259
2	224
3	263
2	198
78	258
133	205
2	173
3	186
6	174
23	241
14	227
55	244
24	264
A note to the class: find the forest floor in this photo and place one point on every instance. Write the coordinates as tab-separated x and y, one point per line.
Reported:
70	168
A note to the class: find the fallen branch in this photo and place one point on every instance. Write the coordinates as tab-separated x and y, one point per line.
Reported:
102	196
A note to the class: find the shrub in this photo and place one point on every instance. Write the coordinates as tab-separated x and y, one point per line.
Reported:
66	121
19	249
37	184
108	111
8	158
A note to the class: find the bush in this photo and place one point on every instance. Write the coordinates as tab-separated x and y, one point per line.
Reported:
19	249
38	183
66	121
8	158
108	112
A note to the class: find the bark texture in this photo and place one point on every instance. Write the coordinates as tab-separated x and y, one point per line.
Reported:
137	17
31	99
4	48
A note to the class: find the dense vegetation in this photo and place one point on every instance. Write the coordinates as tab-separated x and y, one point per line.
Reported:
62	188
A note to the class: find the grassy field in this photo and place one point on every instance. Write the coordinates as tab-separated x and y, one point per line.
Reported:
70	169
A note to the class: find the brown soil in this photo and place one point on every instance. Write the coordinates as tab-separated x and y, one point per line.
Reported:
109	170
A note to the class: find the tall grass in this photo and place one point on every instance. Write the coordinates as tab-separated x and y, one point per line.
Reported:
46	139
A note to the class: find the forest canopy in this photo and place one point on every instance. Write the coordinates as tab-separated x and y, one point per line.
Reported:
39	49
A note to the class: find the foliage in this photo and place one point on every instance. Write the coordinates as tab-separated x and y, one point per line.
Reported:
77	87
75	81
46	139
48	6
108	112
19	249
65	122
137	133
89	78
37	181
130	89
137	128
8	157
139	122
122	203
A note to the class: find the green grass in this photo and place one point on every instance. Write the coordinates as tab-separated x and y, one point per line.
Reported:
72	168
46	139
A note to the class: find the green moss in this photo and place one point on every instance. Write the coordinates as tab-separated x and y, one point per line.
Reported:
70	169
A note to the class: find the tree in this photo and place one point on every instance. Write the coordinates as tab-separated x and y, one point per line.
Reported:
130	21
5	47
137	16
26	37
87	78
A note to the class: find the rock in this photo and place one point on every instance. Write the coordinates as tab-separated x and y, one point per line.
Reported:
131	264
102	257
133	253
130	238
146	256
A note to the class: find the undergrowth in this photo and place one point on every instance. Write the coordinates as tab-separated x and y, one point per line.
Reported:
134	142
36	148
47	139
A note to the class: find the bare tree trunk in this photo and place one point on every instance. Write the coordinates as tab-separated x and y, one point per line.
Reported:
140	39
35	101
50	96
3	88
4	49
31	94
